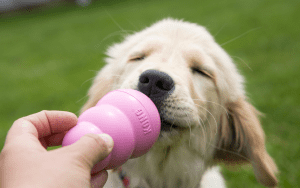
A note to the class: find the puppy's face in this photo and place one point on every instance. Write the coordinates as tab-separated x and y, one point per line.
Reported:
179	78
196	88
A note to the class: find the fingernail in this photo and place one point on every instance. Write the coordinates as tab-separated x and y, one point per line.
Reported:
108	140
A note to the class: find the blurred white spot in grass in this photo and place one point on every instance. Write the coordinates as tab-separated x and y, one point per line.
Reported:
83	3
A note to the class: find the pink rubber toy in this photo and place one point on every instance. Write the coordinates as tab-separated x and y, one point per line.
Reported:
129	117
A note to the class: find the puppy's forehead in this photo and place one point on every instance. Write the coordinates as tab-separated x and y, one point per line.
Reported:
185	46
181	30
167	29
150	42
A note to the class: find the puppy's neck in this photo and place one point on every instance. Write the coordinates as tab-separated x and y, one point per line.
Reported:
167	165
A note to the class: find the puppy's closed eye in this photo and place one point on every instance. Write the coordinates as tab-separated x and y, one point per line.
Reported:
203	72
137	57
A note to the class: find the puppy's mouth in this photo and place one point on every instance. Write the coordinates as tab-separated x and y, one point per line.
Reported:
168	122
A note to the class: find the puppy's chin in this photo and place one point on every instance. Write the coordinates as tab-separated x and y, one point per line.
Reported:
168	137
171	130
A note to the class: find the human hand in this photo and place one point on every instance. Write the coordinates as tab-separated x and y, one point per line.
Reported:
25	162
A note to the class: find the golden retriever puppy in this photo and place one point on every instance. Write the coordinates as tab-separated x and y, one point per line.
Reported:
205	116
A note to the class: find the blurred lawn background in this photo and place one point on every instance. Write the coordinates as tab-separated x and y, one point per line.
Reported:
48	59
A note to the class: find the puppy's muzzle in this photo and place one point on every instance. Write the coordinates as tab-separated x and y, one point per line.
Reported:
155	84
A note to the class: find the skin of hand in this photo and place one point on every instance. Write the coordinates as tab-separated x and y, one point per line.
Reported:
25	162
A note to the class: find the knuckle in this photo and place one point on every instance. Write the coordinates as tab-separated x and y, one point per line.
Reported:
20	120
44	111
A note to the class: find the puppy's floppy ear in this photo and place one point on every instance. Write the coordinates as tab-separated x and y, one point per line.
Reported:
102	84
241	139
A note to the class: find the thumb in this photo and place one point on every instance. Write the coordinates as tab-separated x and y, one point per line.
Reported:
91	148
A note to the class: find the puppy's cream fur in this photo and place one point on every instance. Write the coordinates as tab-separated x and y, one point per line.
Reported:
216	123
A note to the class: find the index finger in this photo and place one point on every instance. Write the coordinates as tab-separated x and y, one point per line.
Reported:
42	124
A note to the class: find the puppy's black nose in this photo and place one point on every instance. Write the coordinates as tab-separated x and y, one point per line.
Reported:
155	84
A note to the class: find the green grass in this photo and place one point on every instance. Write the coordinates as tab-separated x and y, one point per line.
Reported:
48	58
